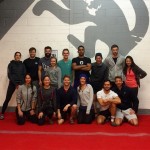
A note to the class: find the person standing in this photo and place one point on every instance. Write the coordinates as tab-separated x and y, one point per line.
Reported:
115	64
54	73
99	73
66	101
133	74
81	65
31	65
66	65
16	72
26	99
44	63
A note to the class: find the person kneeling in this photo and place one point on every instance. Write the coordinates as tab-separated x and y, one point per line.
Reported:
125	108
85	98
26	99
46	102
108	101
66	101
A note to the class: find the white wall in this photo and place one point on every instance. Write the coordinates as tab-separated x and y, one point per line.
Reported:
40	31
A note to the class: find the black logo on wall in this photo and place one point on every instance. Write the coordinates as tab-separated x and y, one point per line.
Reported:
110	23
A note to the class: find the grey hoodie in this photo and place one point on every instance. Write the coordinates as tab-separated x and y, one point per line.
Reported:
25	96
115	69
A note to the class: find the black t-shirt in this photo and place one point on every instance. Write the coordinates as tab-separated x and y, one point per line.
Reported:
81	61
32	67
115	60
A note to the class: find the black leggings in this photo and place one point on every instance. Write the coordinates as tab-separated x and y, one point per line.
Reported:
26	115
41	121
135	101
83	118
10	90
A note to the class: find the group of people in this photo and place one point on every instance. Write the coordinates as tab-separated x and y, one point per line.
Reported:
74	89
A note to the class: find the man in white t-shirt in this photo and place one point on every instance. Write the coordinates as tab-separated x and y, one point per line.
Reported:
108	101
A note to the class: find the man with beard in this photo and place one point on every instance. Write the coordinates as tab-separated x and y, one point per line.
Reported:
108	101
115	64
31	65
44	63
81	65
66	101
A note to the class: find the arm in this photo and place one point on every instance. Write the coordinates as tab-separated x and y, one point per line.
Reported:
9	74
19	101
87	67
40	74
59	77
141	73
115	100
103	102
77	67
90	100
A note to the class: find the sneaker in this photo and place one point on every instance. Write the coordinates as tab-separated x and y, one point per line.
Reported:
2	117
71	121
113	124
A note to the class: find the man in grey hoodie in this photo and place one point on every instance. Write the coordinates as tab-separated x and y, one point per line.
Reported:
115	63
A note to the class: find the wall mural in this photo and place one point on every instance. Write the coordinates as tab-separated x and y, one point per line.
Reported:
110	26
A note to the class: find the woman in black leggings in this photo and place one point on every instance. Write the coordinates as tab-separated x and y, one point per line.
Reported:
16	74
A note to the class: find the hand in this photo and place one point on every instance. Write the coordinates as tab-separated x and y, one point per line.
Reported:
20	113
59	115
40	115
66	108
32	112
54	114
40	82
132	111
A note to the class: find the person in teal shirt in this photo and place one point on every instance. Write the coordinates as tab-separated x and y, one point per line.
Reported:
66	65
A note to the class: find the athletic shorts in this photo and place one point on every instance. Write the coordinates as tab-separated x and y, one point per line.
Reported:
125	113
106	113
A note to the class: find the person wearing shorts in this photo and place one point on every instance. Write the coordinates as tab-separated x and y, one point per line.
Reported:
124	109
108	101
66	101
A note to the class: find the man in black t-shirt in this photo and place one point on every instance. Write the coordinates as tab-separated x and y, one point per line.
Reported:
81	65
31	65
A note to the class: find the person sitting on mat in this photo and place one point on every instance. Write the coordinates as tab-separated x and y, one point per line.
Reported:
108	101
85	99
66	101
26	99
125	109
46	101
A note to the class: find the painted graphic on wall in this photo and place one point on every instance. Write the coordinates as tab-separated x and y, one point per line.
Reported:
110	24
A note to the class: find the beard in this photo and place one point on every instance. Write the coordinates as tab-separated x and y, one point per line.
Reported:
47	55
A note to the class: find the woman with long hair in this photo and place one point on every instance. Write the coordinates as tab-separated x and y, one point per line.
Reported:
26	99
133	74
46	101
16	72
54	72
85	99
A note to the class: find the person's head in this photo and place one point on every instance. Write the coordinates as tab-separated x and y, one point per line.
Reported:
66	80
83	79
47	51
115	49
32	52
81	51
65	53
53	61
46	81
28	79
129	62
107	85
118	81
17	56
98	58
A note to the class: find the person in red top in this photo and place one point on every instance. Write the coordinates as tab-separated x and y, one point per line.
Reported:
133	74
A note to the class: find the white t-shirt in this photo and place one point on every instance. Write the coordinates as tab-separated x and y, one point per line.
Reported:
110	95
